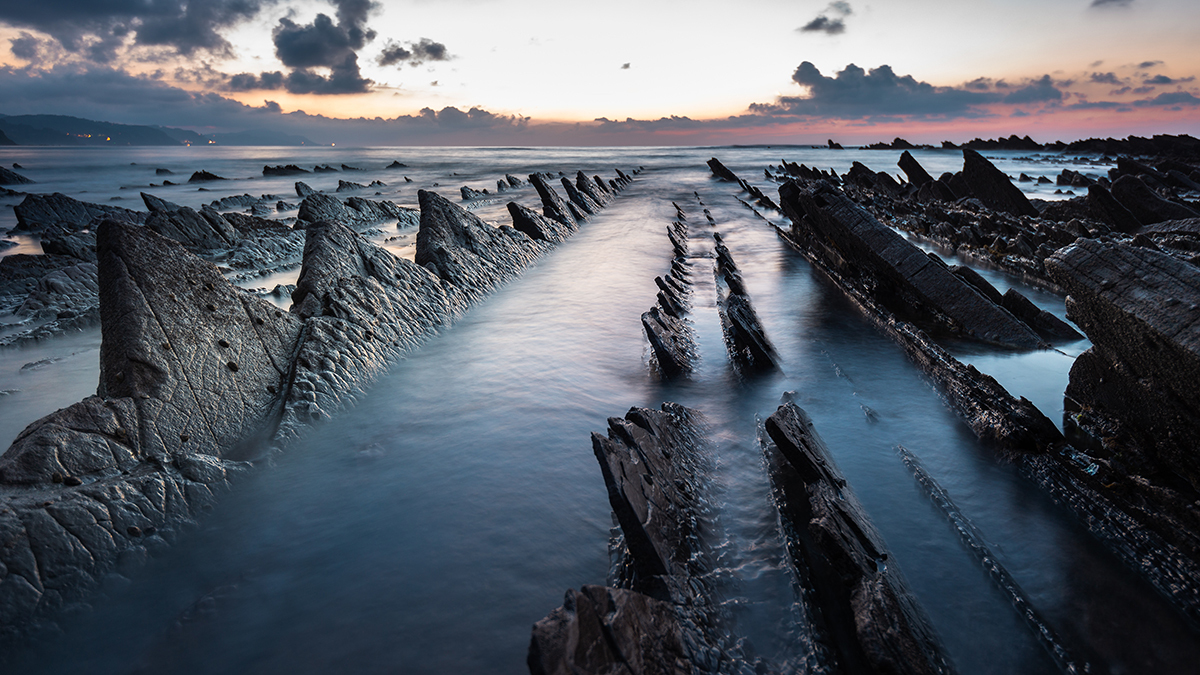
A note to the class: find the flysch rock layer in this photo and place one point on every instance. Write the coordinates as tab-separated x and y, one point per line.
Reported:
745	339
908	281
39	212
862	617
197	376
672	340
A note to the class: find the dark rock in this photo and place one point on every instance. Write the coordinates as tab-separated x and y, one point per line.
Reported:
469	193
154	204
80	245
513	181
1024	178
10	177
203	177
303	190
536	226
609	630
281	170
745	340
203	232
977	282
39	212
867	621
164	172
1046	324
346	186
913	169
992	187
350	168
324	169
721	172
1102	206
1146	206
906	280
66	290
586	186
552	205
1042	180
580	199
834	146
396	165
241	201
355	212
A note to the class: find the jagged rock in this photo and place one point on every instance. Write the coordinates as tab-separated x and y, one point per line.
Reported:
396	165
977	282
1139	307
203	177
745	340
281	170
324	169
913	169
355	212
1042	180
552	205
536	226
10	177
586	186
265	252
501	186
1046	324
1146	206
1024	178
867	621
671	341
469	193
67	290
192	229
39	212
241	201
604	188
609	630
467	252
581	200
154	204
992	187
721	172
347	186
350	168
303	190
903	277
80	245
163	172
20	273
1102	206
513	181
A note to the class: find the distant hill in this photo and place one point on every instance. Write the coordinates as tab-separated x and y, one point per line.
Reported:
65	130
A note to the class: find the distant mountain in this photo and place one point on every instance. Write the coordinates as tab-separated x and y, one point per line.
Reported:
64	130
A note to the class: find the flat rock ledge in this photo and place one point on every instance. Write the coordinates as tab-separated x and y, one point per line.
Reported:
661	617
198	377
859	616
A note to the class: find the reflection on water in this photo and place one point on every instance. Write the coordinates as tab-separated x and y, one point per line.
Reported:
426	529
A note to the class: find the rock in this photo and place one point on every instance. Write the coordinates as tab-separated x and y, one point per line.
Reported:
355	212
21	272
501	186
39	212
977	282
1024	178
154	204
834	146
469	193
69	289
203	177
347	186
241	201
597	192
324	169
79	245
467	252
913	169
1102	206
164	172
868	619
609	630
10	177
396	165
1146	206
513	181
1046	324
350	168
1139	307
580	199
536	226
202	232
745	340
552	205
1042	180
303	190
992	187
281	170
905	279
721	172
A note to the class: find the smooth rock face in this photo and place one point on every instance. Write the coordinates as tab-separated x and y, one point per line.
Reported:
612	631
1145	205
866	617
39	212
992	187
1139	308
906	280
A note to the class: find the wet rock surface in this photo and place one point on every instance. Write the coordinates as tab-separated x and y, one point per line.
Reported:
745	339
39	212
672	340
10	177
863	618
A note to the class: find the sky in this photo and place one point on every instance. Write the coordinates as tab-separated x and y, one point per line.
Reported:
619	72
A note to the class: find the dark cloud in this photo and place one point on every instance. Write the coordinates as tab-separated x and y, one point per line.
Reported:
98	29
1175	99
325	44
1163	79
1042	90
1111	3
252	82
980	84
1107	78
29	48
856	94
830	21
415	54
1149	64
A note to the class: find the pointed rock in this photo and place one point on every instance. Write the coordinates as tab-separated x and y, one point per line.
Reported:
992	187
552	205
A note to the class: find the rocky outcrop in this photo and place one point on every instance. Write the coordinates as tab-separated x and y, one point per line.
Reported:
513	181
990	186
672	340
349	186
79	245
469	193
552	205
745	339
21	272
864	618
1145	205
580	199
303	190
917	175
10	177
594	189
64	293
208	231
1102	206
355	211
536	226
1050	327
905	279
40	212
720	171
204	177
281	170
396	164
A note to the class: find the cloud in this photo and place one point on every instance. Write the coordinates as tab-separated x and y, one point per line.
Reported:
825	23
1163	79
325	44
417	53
252	82
1107	78
1041	90
1175	98
857	94
1149	64
1111	3
97	30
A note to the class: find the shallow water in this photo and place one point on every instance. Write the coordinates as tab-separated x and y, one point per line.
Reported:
426	530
